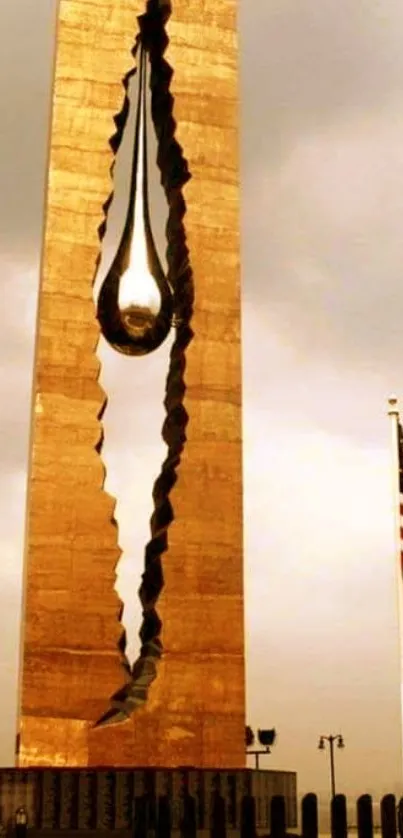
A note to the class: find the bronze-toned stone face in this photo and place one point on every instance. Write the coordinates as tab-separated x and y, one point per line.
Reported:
186	690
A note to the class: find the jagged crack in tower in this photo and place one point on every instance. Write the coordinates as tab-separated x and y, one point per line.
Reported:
183	703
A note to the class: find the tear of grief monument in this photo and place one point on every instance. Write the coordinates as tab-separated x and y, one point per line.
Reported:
182	703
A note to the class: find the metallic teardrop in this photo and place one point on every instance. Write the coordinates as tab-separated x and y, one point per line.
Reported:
135	304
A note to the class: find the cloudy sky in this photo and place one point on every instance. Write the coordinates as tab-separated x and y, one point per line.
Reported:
322	222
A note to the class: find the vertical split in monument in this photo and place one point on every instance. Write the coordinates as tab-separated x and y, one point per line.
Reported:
72	665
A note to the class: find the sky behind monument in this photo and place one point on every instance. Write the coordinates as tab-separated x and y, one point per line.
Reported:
322	261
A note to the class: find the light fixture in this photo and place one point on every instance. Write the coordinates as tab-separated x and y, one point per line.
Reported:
249	737
331	739
267	737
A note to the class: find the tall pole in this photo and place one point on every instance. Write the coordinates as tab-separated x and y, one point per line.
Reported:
332	738
332	772
393	412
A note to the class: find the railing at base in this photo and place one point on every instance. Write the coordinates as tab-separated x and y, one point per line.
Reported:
188	805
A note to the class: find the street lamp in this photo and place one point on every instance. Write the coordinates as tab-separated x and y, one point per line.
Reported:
265	737
21	822
340	744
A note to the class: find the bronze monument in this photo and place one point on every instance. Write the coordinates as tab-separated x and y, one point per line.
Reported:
182	703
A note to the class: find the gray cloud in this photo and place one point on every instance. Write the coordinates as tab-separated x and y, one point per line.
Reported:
25	77
304	63
322	209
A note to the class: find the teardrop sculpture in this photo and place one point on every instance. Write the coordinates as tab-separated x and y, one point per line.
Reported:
135	303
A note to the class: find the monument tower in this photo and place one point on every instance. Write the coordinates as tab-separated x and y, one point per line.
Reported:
182	703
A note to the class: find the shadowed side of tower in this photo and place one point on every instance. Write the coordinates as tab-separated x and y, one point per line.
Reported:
72	666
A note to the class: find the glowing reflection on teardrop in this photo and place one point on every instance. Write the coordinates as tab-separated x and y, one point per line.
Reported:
135	306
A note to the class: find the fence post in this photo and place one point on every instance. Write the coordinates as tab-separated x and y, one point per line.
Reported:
218	816
188	825
248	816
365	819
140	816
388	816
310	823
400	817
278	816
164	820
339	816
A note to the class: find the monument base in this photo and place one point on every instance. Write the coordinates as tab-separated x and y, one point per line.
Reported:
131	802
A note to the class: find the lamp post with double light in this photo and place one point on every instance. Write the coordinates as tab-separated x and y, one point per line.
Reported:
266	739
340	744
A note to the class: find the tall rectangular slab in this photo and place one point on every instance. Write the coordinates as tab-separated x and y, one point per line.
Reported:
71	664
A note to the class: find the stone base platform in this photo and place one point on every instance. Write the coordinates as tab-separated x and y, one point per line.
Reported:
124	802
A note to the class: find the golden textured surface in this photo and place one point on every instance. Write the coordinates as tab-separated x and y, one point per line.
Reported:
71	666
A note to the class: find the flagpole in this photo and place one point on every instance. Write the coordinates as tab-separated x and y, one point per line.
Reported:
393	412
